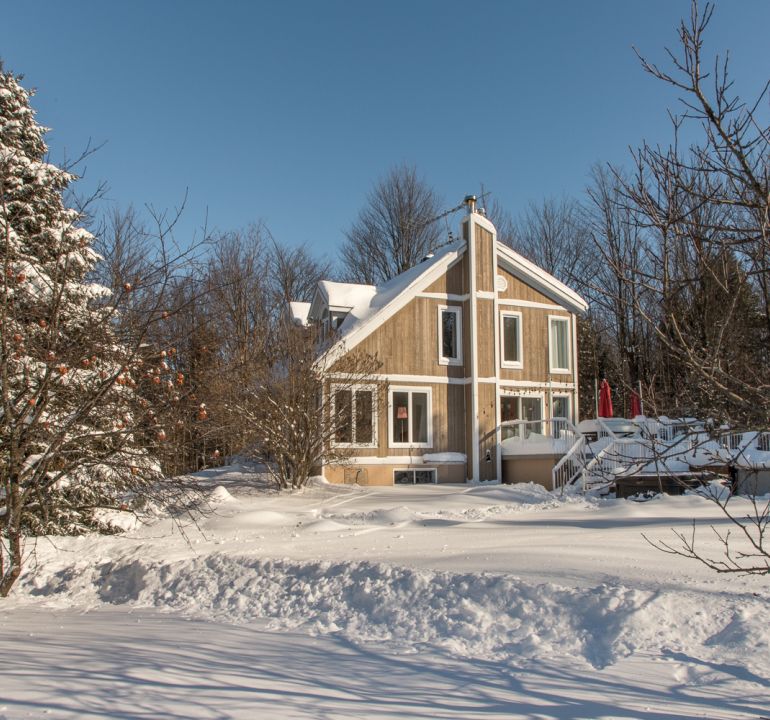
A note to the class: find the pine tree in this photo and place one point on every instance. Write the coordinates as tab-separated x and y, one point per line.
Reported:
73	427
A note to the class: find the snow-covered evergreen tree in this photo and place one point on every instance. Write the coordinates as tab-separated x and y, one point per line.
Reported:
74	431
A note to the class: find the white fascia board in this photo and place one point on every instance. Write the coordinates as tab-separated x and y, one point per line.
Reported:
319	302
545	282
347	343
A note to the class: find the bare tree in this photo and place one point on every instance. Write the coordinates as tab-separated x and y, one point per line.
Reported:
705	213
394	231
302	414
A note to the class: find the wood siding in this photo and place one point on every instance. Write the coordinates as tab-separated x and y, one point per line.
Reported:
407	343
454	282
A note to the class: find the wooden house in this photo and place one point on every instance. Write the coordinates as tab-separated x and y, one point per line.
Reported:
471	338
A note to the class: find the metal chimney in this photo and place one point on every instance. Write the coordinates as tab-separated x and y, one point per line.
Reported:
470	202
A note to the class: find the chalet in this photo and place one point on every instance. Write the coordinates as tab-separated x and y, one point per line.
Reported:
476	344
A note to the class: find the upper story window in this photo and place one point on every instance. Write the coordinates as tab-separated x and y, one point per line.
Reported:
450	347
355	416
558	344
511	352
411	421
336	319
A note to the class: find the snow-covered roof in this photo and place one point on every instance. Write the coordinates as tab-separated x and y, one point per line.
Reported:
374	306
368	307
345	295
298	312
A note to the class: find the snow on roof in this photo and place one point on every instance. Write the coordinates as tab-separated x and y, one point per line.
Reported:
346	295
298	312
390	297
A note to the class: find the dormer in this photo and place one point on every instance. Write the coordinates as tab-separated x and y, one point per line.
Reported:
333	301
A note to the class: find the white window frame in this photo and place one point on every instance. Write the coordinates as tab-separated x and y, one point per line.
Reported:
551	368
519	396
375	415
519	364
569	404
414	470
458	312
410	389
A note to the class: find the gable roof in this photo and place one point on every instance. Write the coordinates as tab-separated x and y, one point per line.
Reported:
372	306
387	299
534	275
298	312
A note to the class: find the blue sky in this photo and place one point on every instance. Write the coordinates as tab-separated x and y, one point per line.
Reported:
288	112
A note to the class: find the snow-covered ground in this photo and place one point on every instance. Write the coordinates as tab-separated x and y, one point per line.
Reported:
347	602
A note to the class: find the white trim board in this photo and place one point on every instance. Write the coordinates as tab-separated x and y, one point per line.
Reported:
443	296
530	303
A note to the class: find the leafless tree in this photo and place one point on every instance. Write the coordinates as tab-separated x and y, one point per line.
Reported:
395	229
297	412
705	214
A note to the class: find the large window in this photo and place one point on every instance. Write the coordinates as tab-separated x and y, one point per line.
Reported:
559	344
411	423
450	334
521	407
511	340
354	413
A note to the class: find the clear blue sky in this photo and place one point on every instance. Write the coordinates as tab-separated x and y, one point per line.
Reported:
289	111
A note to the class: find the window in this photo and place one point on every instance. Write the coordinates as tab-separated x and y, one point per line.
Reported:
414	477
521	407
450	336
558	342
560	406
411	423
354	412
511	355
336	319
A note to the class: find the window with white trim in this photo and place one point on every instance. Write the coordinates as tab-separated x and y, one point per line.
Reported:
410	417
354	412
421	476
560	406
450	335
558	344
511	351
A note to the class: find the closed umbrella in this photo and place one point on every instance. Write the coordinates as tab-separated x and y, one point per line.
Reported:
605	400
636	404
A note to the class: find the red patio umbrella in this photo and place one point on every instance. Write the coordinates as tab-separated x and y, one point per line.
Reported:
605	400
636	404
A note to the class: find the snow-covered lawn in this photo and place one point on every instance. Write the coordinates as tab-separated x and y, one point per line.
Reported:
347	602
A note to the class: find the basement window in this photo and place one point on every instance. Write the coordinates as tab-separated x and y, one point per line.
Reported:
414	477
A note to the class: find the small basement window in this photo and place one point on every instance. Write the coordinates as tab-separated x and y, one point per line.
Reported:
423	476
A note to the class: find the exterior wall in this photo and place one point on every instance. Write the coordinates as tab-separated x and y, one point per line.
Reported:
407	343
530	468
465	403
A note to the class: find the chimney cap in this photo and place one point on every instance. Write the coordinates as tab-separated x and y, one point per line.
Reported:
470	202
